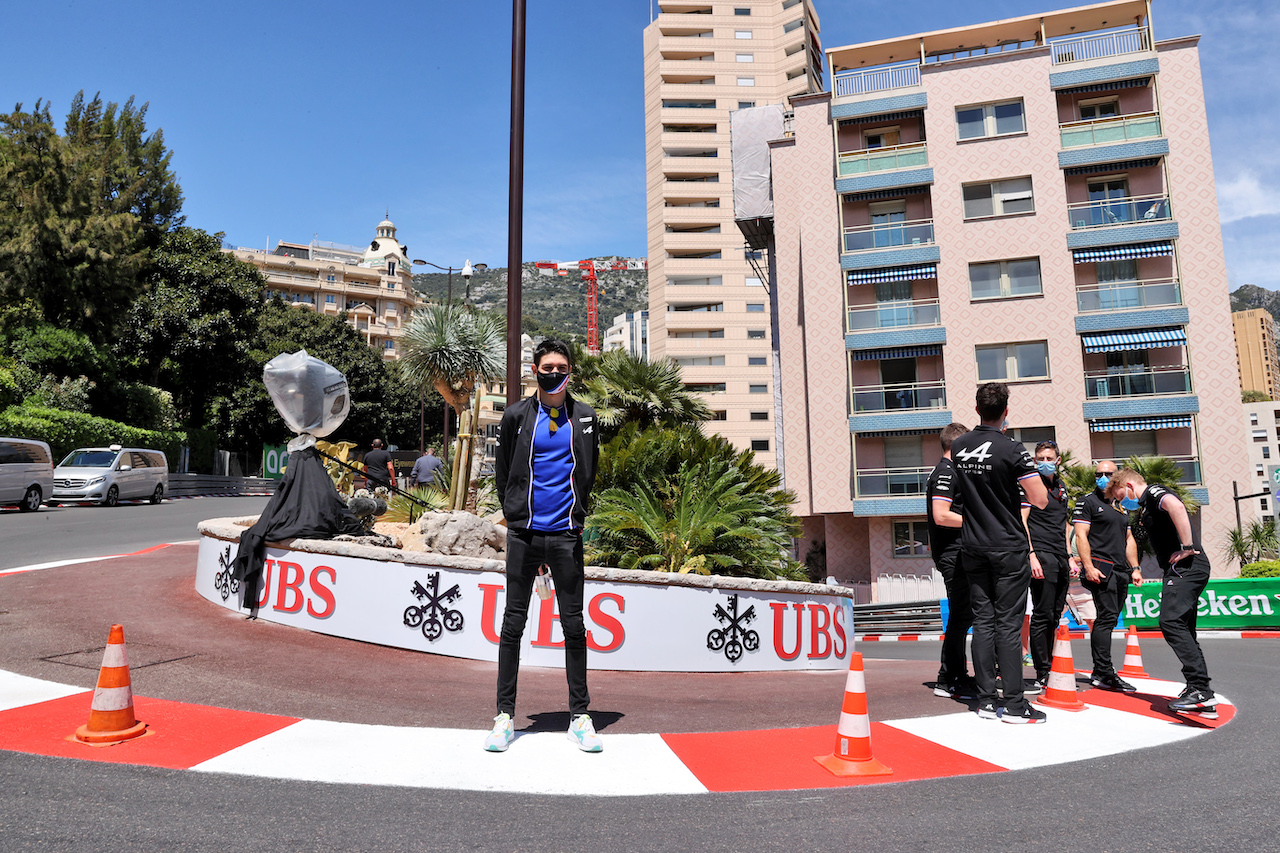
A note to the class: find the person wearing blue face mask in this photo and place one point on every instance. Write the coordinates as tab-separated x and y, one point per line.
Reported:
1108	560
1186	573
1049	533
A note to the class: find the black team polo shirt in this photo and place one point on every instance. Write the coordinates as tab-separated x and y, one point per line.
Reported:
1107	528
989	465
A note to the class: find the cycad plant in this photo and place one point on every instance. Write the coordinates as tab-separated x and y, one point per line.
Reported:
629	389
1257	541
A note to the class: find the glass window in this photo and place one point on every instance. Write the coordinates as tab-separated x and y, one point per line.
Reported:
977	201
746	81
760	444
755	307
753	281
699	360
1125	270
757	360
985	120
755	334
1027	360
998	279
759	416
1259	435
793	26
998	198
1266	451
742	34
741	10
703	387
1126	443
746	57
746	105
719	415
1253	419
758	389
910	539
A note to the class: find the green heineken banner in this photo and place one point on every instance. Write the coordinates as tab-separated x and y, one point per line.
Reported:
274	459
1224	604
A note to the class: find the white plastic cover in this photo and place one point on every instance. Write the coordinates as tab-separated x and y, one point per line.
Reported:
310	395
751	130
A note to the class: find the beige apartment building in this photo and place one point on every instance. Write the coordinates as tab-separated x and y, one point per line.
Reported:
1256	350
373	285
708	306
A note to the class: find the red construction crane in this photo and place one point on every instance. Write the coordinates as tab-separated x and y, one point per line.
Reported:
588	269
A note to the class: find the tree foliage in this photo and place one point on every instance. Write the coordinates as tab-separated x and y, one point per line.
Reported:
629	389
451	348
1255	397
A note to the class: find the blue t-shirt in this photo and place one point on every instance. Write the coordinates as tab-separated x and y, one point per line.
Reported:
552	492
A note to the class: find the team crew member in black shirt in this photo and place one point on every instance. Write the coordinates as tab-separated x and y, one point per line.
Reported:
1049	531
1107	553
990	467
945	519
1186	573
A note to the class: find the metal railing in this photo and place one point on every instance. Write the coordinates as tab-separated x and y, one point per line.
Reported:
1146	382
1083	48
1107	212
1190	466
1124	295
293	276
924	591
886	235
876	79
895	314
880	482
899	396
909	156
1107	131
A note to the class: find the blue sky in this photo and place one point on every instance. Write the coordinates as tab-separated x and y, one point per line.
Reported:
290	120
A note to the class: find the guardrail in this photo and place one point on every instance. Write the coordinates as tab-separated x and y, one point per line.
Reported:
1084	48
895	314
1123	295
1108	131
876	79
186	485
910	156
888	235
1109	212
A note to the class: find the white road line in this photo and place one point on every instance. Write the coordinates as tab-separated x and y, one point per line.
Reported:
19	690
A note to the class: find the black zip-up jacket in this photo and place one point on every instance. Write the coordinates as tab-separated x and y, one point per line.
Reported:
514	469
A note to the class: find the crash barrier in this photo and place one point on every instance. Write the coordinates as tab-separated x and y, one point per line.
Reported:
453	605
909	617
185	485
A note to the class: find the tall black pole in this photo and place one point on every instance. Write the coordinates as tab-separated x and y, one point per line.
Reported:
515	215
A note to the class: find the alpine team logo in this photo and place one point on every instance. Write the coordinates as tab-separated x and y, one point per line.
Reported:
981	453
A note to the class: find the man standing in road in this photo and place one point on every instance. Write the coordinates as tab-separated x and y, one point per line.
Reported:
990	467
945	520
1108	559
424	470
548	448
1186	573
1049	531
378	469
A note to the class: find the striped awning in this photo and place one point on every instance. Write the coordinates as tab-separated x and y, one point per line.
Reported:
878	117
921	271
1111	86
1121	253
1121	166
896	352
894	433
1175	337
875	195
1132	424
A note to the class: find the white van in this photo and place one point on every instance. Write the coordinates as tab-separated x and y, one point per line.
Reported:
26	473
108	475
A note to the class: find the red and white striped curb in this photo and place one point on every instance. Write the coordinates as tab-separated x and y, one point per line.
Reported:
1261	633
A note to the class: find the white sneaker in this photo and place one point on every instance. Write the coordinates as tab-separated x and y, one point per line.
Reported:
584	734
500	738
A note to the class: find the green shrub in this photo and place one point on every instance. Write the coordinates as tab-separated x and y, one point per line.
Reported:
141	405
1261	569
8	389
71	395
65	431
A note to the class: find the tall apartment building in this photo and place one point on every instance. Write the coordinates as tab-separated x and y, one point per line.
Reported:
629	332
1255	332
1028	201
708	307
1264	460
373	285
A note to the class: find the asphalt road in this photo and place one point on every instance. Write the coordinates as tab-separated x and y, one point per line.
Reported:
1212	793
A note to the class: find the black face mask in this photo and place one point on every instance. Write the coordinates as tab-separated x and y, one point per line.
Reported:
553	383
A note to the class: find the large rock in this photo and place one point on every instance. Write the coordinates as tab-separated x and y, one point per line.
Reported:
457	532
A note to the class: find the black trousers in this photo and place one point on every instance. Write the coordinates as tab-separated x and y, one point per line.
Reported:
1179	595
1048	598
955	662
562	552
998	583
1108	597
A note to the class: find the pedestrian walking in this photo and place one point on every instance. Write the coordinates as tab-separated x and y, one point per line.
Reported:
378	467
426	468
995	475
945	519
1049	532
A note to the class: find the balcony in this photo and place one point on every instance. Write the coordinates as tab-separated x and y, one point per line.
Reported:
1110	212
1085	48
868	80
1128	295
898	397
888	235
882	482
910	156
895	314
1110	131
1137	383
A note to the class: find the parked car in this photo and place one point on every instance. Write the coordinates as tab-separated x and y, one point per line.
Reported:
26	473
108	475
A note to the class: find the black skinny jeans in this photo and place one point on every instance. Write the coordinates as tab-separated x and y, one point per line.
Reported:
562	552
998	583
1108	598
955	663
1179	596
1048	598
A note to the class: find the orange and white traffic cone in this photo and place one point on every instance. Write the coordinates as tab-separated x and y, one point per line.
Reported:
111	718
1132	656
1060	689
852	755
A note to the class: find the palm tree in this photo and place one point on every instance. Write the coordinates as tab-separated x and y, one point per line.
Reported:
452	348
1163	471
1256	542
632	389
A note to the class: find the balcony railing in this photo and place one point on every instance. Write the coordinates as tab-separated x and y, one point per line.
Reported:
874	482
877	79
293	276
895	314
1147	382
899	396
1128	295
1108	212
1190	466
1084	48
910	156
1108	131
886	235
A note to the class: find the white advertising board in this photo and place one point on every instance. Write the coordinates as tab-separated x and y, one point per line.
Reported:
458	612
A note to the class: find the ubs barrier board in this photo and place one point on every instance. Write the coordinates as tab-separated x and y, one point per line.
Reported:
1224	605
458	612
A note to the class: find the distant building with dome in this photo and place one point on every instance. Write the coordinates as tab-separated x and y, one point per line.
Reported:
373	285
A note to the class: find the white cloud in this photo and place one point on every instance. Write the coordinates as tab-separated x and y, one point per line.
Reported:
1245	197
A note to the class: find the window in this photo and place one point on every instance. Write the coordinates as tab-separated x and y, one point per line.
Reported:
389	344
695	281
331	277
1125	270
760	444
1259	435
741	10
755	334
998	198
699	360
330	298
1262	504
793	26
1099	108
986	120
718	415
746	105
755	307
703	387
696	333
1253	419
1128	443
1003	279
703	306
1260	470
757	360
1029	437
1028	360
1266	451
758	389
759	416
753	281
746	81
742	34
746	57
910	539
